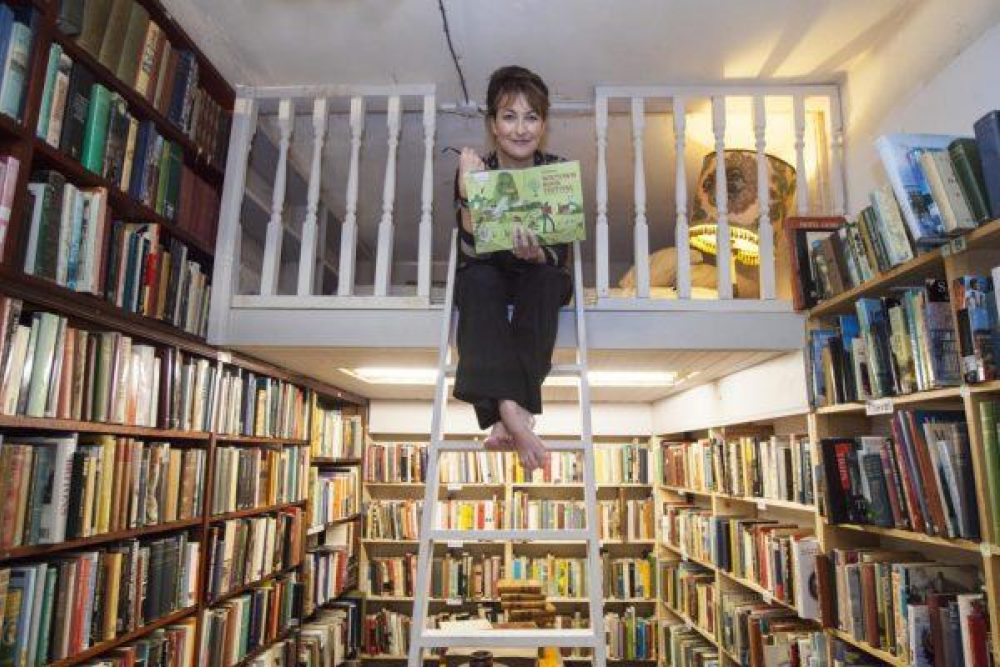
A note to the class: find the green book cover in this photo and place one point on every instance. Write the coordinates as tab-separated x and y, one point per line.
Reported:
988	422
55	54
163	177
964	154
546	200
176	159
95	131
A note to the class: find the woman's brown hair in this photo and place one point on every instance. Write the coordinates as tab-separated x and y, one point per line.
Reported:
513	80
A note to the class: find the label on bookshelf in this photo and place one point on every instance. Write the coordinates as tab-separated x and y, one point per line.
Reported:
878	406
453	602
986	549
690	625
955	246
761	505
454	486
766	597
455	544
225	357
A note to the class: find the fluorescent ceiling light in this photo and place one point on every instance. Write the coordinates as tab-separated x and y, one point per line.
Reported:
416	376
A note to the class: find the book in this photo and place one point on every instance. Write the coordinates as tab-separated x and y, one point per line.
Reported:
95	131
15	70
78	95
987	130
546	200
965	160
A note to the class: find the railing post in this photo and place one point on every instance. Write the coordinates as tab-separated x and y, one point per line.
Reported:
307	249
383	257
322	225
225	276
349	230
723	252
801	181
425	250
275	227
641	228
839	189
764	229
681	237
601	248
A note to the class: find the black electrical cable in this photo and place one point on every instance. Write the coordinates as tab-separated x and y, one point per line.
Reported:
451	48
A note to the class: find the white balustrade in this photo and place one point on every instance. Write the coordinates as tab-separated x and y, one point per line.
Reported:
764	229
837	158
602	249
424	256
276	227
723	250
801	178
383	257
681	238
641	233
349	230
307	248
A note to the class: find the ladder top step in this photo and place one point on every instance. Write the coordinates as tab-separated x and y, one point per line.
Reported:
508	638
478	446
558	370
527	535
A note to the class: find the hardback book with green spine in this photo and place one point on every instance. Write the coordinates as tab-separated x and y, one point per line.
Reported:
95	132
174	164
964	155
546	200
162	177
988	414
128	63
55	53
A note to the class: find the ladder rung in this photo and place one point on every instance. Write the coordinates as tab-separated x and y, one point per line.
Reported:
525	534
478	446
433	638
558	370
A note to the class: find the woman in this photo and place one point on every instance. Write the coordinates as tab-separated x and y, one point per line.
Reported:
502	363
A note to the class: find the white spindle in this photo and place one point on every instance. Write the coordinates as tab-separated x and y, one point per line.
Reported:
424	257
275	227
641	228
681	239
322	225
349	231
801	181
764	230
307	249
837	185
225	276
383	257
723	254
601	247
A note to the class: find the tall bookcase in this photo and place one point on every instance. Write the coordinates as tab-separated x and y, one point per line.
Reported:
972	253
504	492
90	312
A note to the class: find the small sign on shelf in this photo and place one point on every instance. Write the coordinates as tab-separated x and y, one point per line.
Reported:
878	406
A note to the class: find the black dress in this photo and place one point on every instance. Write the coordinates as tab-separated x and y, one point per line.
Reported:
501	358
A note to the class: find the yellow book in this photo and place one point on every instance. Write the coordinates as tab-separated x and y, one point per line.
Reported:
174	467
112	580
90	468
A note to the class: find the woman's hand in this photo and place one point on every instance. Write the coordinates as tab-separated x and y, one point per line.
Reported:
526	246
468	161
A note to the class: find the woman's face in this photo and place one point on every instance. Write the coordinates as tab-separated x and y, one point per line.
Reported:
518	129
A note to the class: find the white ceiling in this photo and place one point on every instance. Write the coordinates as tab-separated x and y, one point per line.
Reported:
574	44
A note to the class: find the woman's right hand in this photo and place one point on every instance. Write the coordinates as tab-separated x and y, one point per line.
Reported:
468	161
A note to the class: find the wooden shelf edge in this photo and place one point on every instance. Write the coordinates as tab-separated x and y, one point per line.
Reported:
259	440
240	514
43	550
72	425
913	536
240	590
885	656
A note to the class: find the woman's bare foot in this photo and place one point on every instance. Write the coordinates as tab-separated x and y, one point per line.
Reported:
530	447
499	438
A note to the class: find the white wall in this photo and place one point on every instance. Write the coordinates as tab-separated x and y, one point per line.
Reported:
414	418
772	389
938	74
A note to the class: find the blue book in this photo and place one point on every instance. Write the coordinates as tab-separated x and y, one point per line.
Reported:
139	164
987	131
874	326
818	339
15	70
900	154
6	26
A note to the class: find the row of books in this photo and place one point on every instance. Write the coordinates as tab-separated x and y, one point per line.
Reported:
627	463
53	370
629	578
630	636
686	588
120	35
173	645
919	479
66	487
332	636
261	406
474	467
685	647
454	514
466	576
18	29
256	618
333	495
250	477
686	528
337	435
386	632
10	166
760	634
242	551
775	467
559	468
559	576
392	519
395	462
923	612
327	572
533	513
56	609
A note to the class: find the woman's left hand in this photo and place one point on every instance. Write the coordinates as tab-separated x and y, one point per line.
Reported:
526	246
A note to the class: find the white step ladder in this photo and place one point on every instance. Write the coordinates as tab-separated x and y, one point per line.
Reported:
593	637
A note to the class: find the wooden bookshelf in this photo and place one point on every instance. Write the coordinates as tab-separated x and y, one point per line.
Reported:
252	655
21	422
254	511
